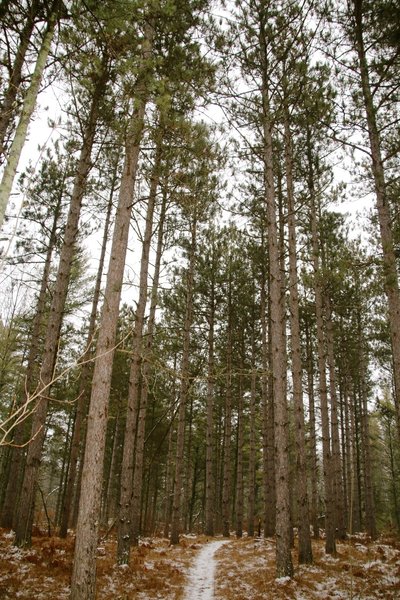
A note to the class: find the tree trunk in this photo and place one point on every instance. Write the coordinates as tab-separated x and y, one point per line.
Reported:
169	484
10	506
131	485
313	437
227	472
210	484
84	383
348	456
113	487
10	95
284	565
239	461
252	450
330	545
184	392
26	114
355	506
382	204
268	414
366	442
336	459
22	531
146	371
84	566
305	550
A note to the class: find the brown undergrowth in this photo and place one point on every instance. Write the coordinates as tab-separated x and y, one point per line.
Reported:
156	570
362	570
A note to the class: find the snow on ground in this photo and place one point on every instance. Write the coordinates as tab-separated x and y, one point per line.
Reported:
200	585
363	570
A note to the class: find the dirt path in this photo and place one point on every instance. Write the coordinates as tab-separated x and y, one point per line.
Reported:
200	584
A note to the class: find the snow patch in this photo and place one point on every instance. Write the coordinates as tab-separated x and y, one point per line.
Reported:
200	584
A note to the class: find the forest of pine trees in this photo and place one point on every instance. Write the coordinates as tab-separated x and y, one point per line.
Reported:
195	336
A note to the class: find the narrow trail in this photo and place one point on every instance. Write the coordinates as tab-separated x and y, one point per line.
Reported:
200	584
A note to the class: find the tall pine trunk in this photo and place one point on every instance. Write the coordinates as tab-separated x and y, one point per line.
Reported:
330	544
267	412
136	409
210	484
146	373
178	494
83	584
252	441
305	550
227	460
336	458
382	203
11	93
239	460
313	459
23	526
28	107
10	506
84	383
284	565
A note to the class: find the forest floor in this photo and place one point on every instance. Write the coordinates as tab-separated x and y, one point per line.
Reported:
202	569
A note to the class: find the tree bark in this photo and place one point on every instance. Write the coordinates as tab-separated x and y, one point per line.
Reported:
146	372
252	450
184	392
227	472
284	565
336	458
382	203
84	566
268	413
305	550
84	383
7	106
239	460
26	114
370	520
22	531
131	484
312	426
210	483
330	544
10	506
